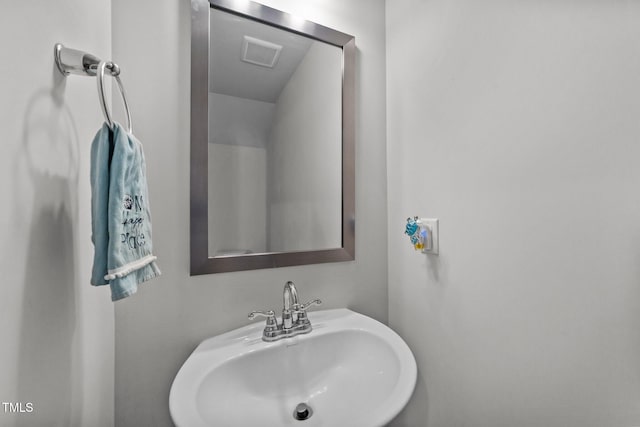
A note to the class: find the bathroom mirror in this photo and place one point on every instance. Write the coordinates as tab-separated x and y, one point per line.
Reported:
272	139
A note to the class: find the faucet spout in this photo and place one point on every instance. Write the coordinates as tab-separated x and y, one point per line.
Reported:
290	296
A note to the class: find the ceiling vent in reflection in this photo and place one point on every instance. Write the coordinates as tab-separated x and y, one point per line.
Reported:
260	52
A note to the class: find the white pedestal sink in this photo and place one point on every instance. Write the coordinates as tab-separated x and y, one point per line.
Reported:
351	370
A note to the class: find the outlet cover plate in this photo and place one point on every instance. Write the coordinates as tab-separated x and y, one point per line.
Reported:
432	223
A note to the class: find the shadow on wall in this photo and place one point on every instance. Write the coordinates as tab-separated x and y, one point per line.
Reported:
49	372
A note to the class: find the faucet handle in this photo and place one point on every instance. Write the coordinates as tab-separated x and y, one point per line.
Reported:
270	316
304	307
272	324
301	311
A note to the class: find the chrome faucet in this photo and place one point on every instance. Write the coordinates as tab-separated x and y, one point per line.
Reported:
290	305
294	316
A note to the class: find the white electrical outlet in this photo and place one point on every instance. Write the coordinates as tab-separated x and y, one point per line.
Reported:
432	224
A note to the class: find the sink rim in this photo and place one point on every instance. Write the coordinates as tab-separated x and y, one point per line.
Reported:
214	352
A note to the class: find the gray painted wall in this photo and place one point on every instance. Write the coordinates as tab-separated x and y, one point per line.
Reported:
57	350
237	199
518	125
304	156
157	329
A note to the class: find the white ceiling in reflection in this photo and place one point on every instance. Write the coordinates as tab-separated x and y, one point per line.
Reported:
229	75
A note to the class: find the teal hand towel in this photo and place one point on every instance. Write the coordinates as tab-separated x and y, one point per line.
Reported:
120	215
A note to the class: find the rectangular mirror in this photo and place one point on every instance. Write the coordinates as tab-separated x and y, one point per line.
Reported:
272	139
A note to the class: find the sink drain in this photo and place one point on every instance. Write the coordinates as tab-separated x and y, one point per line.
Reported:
302	412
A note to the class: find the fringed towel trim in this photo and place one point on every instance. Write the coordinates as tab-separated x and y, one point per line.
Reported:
128	268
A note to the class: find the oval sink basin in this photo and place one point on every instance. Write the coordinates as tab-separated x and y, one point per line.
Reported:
351	370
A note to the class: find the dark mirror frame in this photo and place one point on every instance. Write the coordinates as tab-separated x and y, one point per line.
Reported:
201	262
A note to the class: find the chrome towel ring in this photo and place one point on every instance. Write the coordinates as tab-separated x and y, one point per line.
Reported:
115	72
72	61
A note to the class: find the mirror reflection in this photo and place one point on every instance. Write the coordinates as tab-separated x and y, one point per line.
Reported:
275	140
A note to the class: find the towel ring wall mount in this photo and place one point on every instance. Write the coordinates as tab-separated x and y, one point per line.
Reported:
72	61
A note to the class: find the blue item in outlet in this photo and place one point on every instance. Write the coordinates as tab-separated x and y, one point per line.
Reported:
411	230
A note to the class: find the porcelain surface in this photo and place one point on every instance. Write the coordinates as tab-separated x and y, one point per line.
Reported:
351	370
